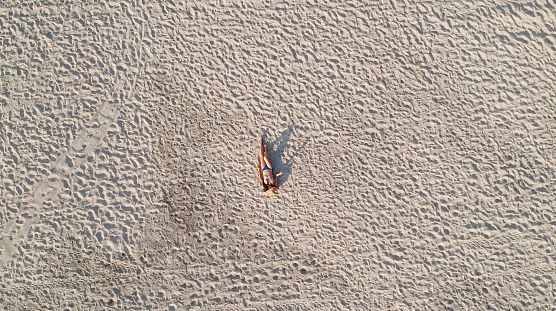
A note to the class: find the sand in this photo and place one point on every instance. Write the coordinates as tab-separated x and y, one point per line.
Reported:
417	142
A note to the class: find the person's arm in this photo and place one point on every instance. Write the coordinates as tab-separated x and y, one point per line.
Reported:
261	159
276	178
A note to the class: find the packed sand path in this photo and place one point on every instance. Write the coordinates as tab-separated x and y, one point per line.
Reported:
417	141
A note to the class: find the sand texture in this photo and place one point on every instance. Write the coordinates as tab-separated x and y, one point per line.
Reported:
417	141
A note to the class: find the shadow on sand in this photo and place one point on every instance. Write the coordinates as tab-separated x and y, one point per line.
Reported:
276	151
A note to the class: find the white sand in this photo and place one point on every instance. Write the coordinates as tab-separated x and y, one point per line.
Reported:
417	140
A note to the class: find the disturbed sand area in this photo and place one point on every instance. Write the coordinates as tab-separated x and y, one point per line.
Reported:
417	141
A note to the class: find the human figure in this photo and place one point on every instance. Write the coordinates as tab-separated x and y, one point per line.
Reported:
267	178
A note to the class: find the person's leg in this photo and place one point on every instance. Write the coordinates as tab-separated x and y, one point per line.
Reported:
265	157
261	153
259	165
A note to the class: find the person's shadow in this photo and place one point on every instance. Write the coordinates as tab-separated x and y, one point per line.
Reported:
276	153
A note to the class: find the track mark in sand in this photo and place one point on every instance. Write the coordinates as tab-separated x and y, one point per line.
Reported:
7	245
85	143
8	250
46	191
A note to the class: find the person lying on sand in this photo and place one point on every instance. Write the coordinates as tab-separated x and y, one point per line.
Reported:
267	178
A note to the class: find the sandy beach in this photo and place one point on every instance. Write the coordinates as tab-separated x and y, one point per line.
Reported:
417	143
